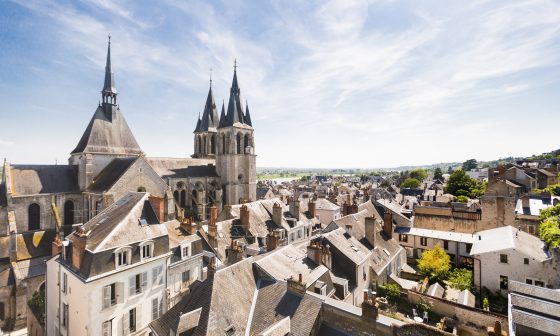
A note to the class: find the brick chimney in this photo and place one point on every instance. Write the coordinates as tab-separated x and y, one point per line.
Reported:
235	252
294	208
213	213
320	255
388	223
157	204
297	287
370	230
244	218
212	266
354	207
277	214
56	246
311	208
78	246
189	225
525	201
369	306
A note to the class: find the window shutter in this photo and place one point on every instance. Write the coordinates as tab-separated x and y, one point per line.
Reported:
107	328
126	323
106	297
138	317
154	309
144	278
154	276
132	286
160	307
160	275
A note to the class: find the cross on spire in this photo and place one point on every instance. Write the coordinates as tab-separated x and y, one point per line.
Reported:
210	77
235	64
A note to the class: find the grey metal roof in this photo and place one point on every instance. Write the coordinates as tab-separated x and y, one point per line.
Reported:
44	179
183	167
118	224
103	135
235	114
209	119
111	174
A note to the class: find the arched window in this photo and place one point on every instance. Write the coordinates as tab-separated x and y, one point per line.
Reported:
183	198
213	144
246	141
199	145
68	212
34	217
239	143
224	148
176	196
204	148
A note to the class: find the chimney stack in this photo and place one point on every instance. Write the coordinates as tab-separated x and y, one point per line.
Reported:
273	239
297	287
369	306
213	213
496	330
344	209
370	230
244	218
78	246
388	223
234	252
294	208
277	214
311	208
56	246
319	254
189	225
211	268
525	201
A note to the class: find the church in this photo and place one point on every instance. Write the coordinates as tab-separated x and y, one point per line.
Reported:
39	201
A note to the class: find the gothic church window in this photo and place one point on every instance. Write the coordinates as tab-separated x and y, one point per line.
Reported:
213	144
246	141
68	212
183	201
34	217
224	144
239	144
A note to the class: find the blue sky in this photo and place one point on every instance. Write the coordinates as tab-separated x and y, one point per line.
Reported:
329	84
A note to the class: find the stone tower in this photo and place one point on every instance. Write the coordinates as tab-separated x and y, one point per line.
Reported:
236	159
107	135
206	131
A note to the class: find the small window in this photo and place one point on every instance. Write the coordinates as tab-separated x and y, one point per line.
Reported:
186	251
107	328
403	238
539	283
529	281
526	261
503	258
157	276
469	247
64	321
446	245
122	257
186	278
146	250
132	320
64	282
137	283
423	241
503	282
109	296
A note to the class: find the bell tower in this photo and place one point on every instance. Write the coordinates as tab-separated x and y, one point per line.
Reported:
205	133
235	157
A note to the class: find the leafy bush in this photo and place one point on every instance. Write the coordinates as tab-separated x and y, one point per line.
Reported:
550	232
410	183
37	304
550	212
434	263
462	199
392	292
419	174
460	184
461	279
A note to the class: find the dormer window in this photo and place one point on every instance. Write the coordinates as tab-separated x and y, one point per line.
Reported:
123	257
146	250
185	251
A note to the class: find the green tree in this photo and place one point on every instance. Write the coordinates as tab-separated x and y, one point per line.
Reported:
470	165
438	174
419	174
550	232
462	199
410	183
434	263
553	211
461	279
386	183
460	184
392	292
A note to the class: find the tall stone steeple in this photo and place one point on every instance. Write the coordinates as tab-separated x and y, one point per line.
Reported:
109	92
236	159
205	141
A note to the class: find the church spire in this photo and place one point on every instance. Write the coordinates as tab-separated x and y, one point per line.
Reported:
247	117
222	115
109	89
234	111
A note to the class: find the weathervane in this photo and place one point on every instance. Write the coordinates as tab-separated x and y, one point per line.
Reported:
210	77
235	65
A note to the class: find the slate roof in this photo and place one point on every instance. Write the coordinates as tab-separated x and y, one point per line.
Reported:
44	179
225	300
118	224
34	244
106	136
275	302
183	167
209	121
347	245
111	174
508	237
235	115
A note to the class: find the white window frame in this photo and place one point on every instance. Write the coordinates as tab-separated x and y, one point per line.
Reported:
106	293
135	288
157	308
187	246
127	251
157	276
146	246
